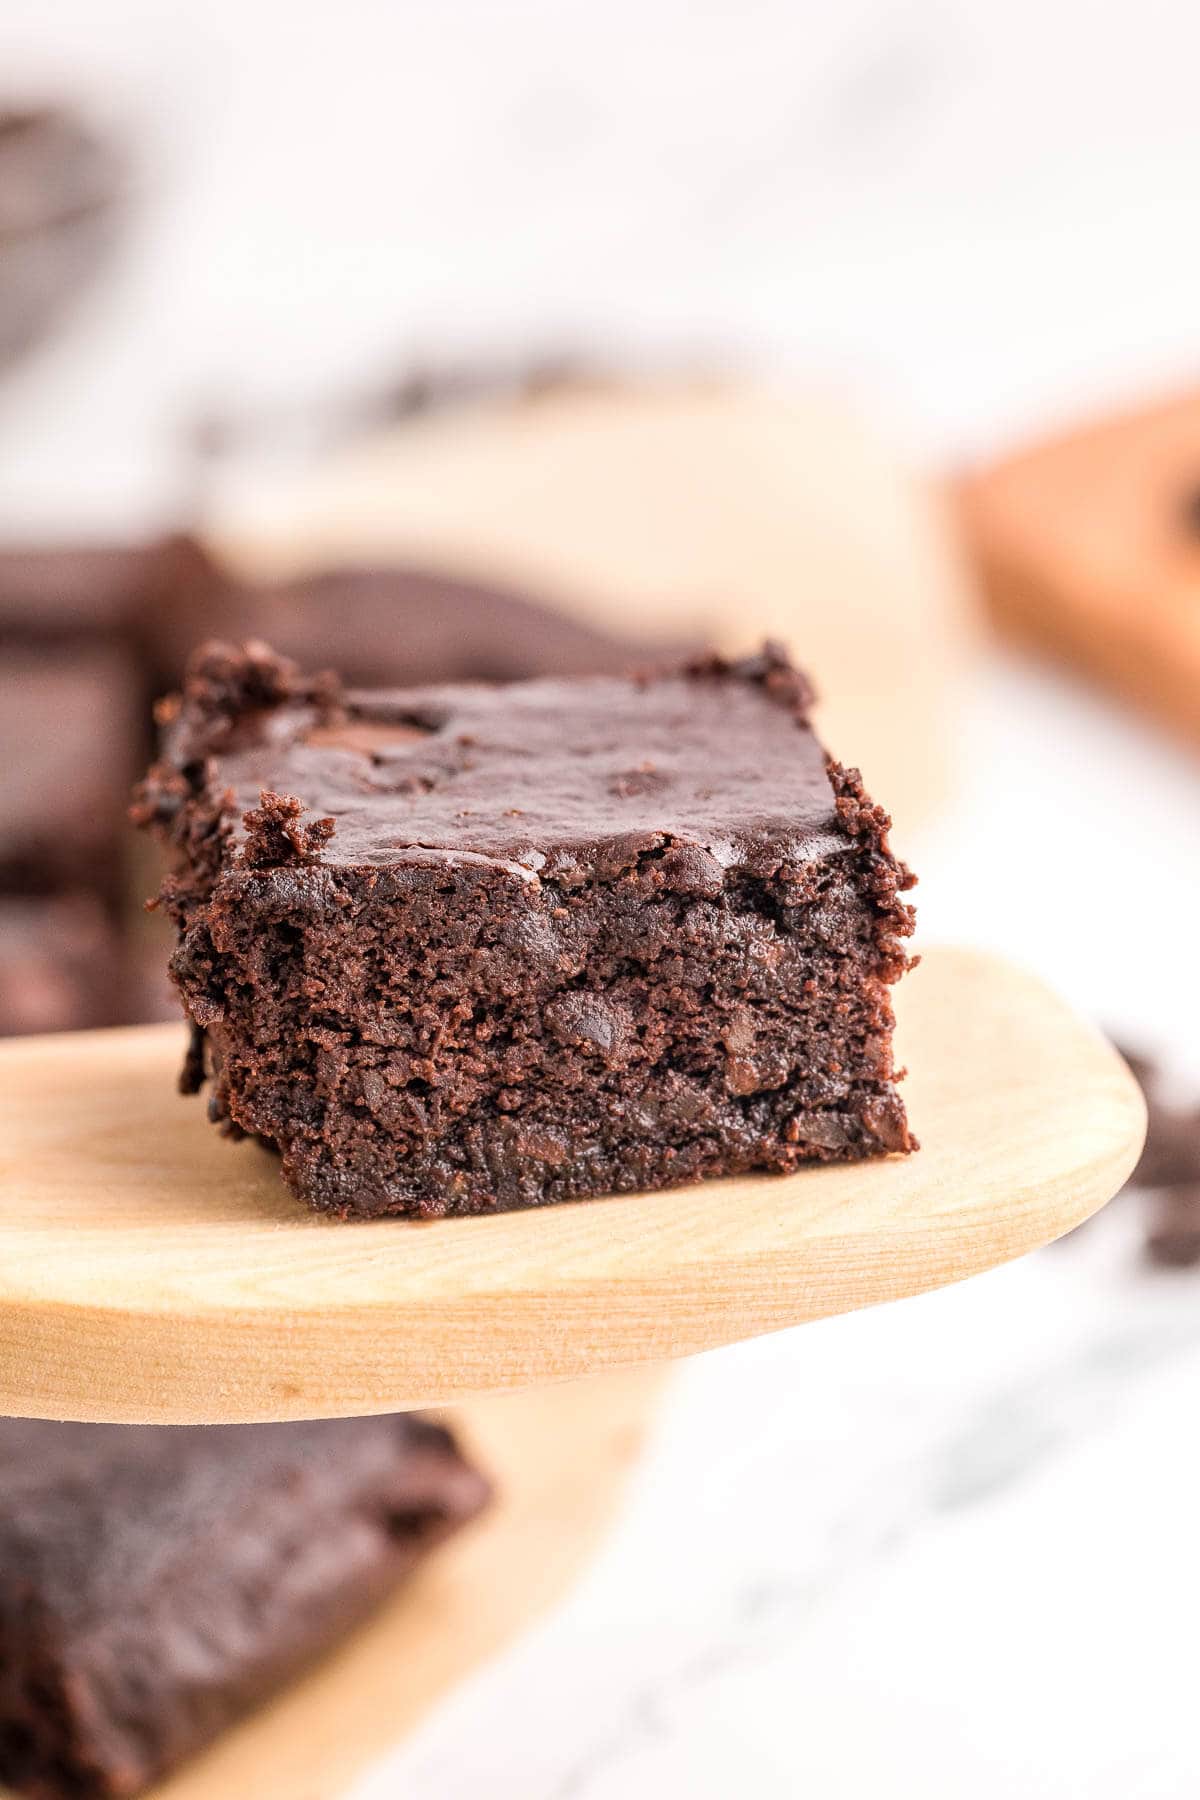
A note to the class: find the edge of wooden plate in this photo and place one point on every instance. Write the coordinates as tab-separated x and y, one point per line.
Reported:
186	1285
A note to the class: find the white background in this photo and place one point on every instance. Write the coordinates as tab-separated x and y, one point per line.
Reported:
948	1548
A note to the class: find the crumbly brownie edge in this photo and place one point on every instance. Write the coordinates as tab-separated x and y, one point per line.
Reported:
492	1162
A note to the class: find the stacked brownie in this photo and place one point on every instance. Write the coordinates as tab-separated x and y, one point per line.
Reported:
1168	1173
157	1582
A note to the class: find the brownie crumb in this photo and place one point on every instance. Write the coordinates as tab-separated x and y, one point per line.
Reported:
275	836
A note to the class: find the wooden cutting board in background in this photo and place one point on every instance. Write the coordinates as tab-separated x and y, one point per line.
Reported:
733	512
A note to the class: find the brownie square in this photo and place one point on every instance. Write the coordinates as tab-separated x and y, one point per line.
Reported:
459	948
157	1582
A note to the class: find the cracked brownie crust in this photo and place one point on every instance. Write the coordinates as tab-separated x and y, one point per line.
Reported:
457	949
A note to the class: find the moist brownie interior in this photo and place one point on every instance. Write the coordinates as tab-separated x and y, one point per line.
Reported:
453	949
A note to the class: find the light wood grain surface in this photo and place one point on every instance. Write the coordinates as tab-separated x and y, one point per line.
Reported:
150	1269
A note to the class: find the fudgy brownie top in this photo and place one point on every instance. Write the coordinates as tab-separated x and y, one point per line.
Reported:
712	767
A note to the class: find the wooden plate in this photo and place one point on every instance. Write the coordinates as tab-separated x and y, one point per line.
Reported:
151	1270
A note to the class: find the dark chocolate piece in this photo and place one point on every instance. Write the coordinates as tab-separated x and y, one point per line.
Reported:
156	1583
462	948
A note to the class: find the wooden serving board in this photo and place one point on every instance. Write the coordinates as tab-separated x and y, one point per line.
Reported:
1088	548
726	511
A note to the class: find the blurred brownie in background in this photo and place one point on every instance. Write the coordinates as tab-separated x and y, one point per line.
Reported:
1168	1173
380	625
1089	549
158	1582
74	704
70	728
54	594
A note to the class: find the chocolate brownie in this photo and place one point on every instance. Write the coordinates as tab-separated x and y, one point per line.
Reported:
156	1583
459	948
61	964
383	625
1089	549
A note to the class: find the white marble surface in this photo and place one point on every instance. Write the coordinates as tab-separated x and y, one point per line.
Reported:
948	1548
975	213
